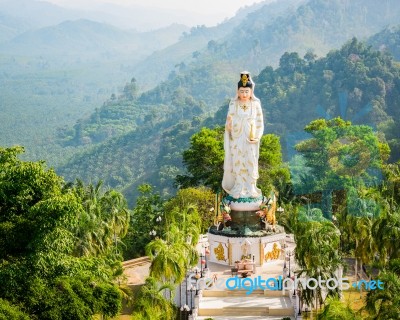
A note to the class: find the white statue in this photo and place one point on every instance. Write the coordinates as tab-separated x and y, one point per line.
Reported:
243	131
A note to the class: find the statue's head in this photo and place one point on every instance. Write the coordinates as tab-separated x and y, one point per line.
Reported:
245	87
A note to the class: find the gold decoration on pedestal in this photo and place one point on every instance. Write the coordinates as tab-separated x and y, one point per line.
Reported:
267	213
220	252
274	254
230	253
261	252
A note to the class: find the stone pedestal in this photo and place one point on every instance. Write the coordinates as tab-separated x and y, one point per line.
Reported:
245	221
226	250
246	233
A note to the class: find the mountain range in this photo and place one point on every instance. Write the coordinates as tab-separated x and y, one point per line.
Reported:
174	89
129	16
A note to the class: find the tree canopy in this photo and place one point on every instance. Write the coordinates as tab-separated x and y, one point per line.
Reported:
41	226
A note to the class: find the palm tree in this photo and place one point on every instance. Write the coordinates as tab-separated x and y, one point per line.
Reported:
335	309
288	218
167	260
366	244
386	234
385	304
187	219
89	238
317	255
115	215
357	222
104	221
151	303
317	246
391	185
90	229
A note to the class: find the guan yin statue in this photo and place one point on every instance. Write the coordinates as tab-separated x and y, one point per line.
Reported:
244	215
244	210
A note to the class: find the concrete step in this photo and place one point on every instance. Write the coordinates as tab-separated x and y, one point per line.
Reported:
248	305
254	311
231	293
246	317
244	293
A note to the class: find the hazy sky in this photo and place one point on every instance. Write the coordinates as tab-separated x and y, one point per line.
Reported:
217	10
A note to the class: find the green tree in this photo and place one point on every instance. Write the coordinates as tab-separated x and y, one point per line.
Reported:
204	160
272	171
147	216
151	302
11	312
201	197
386	231
104	222
335	309
340	155
38	268
385	304
172	255
168	260
187	220
317	255
391	186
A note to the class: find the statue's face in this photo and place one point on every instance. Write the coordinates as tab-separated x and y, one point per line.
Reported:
244	94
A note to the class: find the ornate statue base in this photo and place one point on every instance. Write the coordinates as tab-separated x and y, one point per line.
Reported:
244	235
244	204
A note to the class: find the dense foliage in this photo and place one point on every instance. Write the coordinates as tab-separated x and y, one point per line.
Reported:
362	207
58	257
355	83
60	243
171	245
337	157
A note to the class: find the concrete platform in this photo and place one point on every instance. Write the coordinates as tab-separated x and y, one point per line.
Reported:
224	304
242	318
248	305
271	269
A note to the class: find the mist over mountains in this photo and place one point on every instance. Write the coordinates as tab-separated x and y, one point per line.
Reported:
82	93
89	38
38	14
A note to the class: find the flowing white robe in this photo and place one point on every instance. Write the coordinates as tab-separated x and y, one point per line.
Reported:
241	156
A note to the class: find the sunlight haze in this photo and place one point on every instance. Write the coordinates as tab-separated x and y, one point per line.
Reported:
189	12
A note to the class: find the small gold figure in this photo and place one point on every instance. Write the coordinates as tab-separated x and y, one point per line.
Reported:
219	252
245	79
274	254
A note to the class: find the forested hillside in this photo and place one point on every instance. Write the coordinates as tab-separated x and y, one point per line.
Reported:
356	83
55	90
356	86
194	44
388	40
209	75
301	26
50	77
